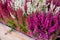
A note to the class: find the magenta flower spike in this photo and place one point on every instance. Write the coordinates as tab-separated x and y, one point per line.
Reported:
9	7
19	13
2	12
48	19
55	2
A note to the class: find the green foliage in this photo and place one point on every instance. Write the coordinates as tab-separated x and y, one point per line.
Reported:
11	24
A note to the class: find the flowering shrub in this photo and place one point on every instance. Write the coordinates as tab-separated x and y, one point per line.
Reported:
12	17
39	19
41	25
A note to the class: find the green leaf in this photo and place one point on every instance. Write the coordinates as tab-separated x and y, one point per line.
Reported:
25	15
40	0
24	28
11	24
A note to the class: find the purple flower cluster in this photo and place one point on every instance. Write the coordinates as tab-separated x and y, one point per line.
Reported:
55	2
43	25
